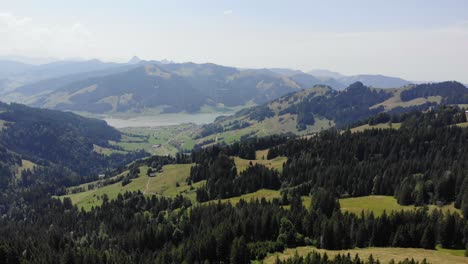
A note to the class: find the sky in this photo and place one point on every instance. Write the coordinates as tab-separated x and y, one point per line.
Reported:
416	40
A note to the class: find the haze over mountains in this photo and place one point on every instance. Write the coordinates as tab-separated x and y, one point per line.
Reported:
100	87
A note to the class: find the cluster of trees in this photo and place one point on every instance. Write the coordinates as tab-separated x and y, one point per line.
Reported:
260	113
138	229
446	116
210	129
452	92
222	180
424	162
8	161
49	138
245	149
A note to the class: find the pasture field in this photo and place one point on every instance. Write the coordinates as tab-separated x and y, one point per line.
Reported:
269	195
163	184
25	165
378	126
379	203
383	254
276	163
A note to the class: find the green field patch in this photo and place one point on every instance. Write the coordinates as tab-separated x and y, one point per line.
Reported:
465	124
270	126
171	182
163	184
25	165
382	254
455	252
378	126
395	100
276	163
267	194
261	154
379	203
106	151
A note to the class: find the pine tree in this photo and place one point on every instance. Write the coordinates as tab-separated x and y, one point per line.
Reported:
428	238
239	252
464	202
447	230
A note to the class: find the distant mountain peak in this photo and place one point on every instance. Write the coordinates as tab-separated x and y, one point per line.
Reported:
134	60
323	73
166	61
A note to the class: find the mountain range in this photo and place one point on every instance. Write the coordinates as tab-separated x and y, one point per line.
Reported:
100	87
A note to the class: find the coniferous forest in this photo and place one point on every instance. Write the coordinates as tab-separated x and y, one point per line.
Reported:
423	163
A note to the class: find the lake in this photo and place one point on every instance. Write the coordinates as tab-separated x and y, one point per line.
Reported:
159	120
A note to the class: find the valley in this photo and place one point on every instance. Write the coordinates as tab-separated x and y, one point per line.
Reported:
336	175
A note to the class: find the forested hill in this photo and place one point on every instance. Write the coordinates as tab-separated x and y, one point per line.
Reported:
50	138
321	107
422	163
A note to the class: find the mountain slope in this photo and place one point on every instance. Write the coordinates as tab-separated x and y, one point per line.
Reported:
321	107
174	87
49	137
29	92
16	74
379	81
340	81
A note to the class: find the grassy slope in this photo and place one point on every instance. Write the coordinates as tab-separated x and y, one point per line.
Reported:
26	165
269	195
274	125
374	203
378	203
395	100
270	126
163	184
276	163
106	151
383	254
263	193
378	126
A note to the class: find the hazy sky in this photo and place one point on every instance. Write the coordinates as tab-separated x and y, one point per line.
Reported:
416	40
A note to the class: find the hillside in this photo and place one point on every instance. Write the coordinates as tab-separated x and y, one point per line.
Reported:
172	87
341	81
367	192
371	192
16	74
321	107
59	141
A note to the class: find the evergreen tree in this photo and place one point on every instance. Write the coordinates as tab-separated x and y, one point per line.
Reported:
428	238
239	252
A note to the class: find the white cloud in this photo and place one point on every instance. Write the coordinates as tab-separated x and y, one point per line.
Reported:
23	35
227	12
